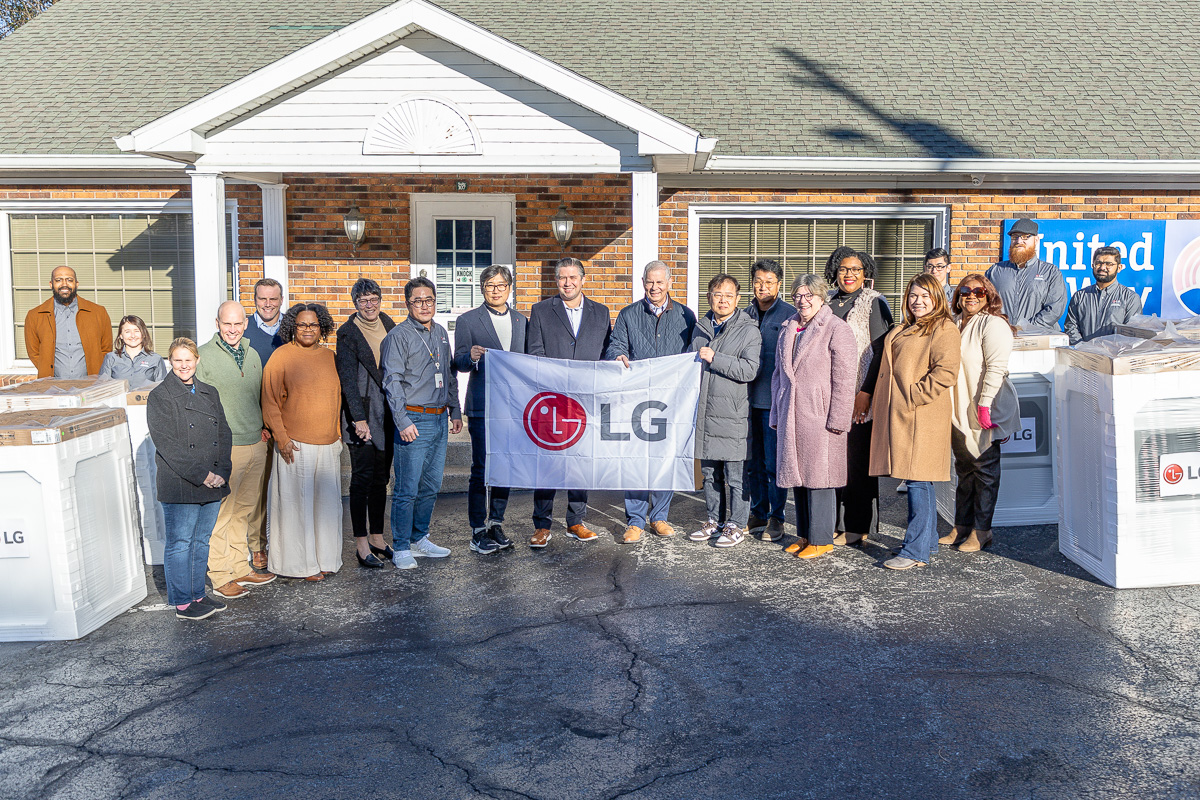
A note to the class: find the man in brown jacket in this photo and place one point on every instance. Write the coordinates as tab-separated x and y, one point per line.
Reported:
67	336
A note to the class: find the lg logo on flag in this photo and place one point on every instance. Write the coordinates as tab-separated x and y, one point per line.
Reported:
554	421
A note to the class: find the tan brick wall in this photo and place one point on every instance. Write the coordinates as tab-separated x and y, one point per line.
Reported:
975	219
323	267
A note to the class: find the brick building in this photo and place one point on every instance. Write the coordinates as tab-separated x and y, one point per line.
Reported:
174	153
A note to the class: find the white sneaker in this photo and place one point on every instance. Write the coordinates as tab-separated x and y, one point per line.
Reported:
731	534
403	559
710	529
423	548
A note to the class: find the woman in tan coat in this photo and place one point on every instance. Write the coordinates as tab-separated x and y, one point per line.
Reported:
985	410
912	408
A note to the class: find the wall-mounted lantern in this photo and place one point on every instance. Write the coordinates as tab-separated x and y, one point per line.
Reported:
356	227
562	226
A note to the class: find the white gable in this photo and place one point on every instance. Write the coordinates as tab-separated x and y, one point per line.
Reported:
392	110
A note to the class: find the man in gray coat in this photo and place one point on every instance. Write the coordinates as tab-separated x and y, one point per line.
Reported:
728	343
1033	291
654	326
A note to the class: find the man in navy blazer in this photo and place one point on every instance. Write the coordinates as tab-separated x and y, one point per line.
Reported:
491	326
569	326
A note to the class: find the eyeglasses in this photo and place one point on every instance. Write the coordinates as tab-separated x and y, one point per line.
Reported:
803	298
494	287
849	270
1108	264
368	301
1022	237
772	281
424	301
938	267
973	291
309	326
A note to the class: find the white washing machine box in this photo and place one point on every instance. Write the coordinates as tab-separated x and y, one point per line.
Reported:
1027	486
1129	461
91	392
70	547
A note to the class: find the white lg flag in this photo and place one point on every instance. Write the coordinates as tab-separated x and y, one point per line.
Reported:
557	424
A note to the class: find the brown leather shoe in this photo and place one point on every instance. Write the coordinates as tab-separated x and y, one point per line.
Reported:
633	534
320	576
774	530
955	536
975	541
814	551
231	590
258	559
581	532
796	546
662	528
256	579
540	538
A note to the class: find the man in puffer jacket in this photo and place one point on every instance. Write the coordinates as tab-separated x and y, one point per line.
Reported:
728	342
653	326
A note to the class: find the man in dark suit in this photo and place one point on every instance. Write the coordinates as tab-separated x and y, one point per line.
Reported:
569	326
491	326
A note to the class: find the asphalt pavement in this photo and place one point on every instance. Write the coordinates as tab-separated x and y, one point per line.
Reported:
666	669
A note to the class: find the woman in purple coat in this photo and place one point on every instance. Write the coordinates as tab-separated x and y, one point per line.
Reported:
812	399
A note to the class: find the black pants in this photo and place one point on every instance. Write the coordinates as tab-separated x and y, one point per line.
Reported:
978	484
858	500
479	508
816	510
369	470
543	506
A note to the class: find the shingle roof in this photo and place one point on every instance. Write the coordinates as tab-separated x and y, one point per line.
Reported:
1042	79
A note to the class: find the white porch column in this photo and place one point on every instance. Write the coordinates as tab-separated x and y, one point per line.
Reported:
208	247
645	226
275	263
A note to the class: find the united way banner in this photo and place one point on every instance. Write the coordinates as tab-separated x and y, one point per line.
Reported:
1161	257
556	424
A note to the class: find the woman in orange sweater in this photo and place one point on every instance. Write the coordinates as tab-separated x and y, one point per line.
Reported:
301	404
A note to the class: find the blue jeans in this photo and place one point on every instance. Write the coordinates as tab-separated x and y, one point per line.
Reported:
185	557
640	506
920	539
418	477
767	500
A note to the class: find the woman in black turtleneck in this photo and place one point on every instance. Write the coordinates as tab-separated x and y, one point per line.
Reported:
870	319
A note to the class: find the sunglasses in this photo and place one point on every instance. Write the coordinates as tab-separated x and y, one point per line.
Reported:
976	291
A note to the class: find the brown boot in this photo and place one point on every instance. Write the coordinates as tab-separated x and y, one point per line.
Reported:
540	538
259	559
662	528
632	534
581	532
975	541
955	536
796	546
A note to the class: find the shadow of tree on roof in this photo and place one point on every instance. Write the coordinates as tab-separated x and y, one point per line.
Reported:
930	136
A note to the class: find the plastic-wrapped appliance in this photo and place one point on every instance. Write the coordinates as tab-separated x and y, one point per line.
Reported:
1027	479
1129	460
145	471
70	554
90	392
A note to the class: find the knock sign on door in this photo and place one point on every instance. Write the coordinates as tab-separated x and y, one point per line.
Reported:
14	541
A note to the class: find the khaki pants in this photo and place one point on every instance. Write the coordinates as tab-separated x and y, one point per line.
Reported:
240	518
258	521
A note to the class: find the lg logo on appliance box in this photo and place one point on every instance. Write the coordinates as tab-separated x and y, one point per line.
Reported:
1178	474
14	541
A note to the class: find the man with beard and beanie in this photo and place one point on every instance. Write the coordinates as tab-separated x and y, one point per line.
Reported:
1033	291
1095	310
67	336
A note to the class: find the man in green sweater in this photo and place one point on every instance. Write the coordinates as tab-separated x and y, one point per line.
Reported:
233	368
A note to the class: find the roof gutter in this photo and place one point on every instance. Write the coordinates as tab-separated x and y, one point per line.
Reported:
942	166
86	163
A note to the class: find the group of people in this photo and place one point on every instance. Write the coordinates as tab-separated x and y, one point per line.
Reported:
821	395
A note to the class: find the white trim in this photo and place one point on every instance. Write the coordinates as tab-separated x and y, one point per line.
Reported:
981	166
208	250
88	162
9	364
938	212
645	227
347	45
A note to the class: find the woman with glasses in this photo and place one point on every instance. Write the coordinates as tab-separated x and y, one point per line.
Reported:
301	403
367	425
866	312
912	407
986	410
812	398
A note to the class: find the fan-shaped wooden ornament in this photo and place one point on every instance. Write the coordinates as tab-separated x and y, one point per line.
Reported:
420	126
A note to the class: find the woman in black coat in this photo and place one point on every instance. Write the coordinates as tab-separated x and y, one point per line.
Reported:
366	419
193	443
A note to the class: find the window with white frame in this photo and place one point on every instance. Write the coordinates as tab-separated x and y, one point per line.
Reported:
801	244
138	263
